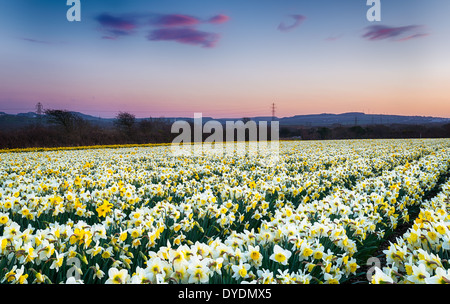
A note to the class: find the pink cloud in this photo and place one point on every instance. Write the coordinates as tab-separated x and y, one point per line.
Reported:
333	38
401	33
414	36
185	35
218	19
298	20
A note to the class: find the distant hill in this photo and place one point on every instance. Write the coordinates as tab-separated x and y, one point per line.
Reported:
362	119
14	121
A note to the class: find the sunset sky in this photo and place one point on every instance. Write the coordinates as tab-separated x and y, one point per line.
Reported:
226	58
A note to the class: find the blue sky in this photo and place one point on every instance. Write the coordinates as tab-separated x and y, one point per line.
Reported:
225	58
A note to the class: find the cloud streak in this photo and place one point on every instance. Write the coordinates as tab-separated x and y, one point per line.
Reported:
172	20
36	41
333	38
298	20
116	26
401	33
185	35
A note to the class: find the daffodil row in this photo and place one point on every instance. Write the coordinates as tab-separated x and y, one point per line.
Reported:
421	255
41	149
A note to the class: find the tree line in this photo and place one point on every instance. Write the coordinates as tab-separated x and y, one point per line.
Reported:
62	128
379	131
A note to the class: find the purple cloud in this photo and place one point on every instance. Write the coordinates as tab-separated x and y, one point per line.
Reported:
119	23
298	19
185	35
115	26
218	19
401	33
172	20
170	27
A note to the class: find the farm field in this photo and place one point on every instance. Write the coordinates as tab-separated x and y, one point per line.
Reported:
141	215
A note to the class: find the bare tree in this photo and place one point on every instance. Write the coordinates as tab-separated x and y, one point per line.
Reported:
125	122
66	119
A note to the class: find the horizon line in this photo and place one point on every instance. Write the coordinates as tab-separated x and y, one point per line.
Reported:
229	117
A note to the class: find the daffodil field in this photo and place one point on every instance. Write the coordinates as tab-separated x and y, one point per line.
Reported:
142	215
